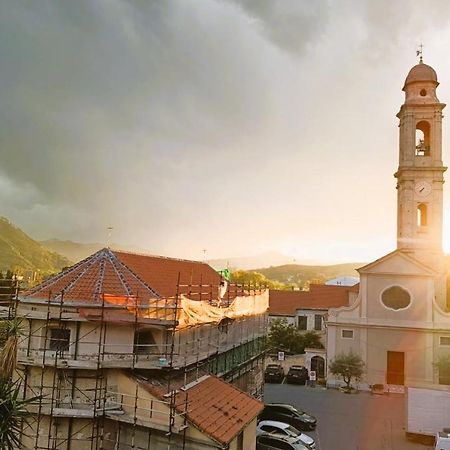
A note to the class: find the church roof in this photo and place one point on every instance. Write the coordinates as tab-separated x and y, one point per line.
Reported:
409	265
421	72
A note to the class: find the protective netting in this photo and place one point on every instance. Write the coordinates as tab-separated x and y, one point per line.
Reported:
194	312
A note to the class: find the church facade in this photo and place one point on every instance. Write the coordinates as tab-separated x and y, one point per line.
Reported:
400	322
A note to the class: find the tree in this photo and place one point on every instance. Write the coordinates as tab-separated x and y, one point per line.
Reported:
256	279
282	336
311	340
347	366
286	337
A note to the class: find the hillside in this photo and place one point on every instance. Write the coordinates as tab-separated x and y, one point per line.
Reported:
19	251
300	274
74	251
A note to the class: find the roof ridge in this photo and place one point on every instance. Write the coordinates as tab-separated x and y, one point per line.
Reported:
135	275
75	280
72	275
54	279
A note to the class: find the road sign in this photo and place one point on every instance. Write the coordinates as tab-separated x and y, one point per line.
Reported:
280	356
312	375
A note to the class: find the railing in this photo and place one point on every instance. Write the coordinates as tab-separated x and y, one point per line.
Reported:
130	408
182	348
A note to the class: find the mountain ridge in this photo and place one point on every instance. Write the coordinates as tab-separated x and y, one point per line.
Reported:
18	251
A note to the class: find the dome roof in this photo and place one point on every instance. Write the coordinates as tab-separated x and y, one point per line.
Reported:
421	72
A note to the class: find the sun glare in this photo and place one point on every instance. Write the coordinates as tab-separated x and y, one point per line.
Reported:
446	228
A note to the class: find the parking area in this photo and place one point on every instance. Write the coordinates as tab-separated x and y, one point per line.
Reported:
349	421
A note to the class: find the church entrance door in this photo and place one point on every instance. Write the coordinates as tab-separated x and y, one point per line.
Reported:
395	368
318	365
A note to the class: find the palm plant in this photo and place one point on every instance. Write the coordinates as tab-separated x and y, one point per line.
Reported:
13	410
11	331
13	414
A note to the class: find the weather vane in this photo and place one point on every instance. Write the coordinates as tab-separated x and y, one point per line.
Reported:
420	53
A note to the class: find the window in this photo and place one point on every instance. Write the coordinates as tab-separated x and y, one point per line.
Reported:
59	339
302	323
444	340
347	334
144	342
396	298
318	322
422	215
423	138
444	375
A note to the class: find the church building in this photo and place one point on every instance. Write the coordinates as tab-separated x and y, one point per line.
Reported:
400	322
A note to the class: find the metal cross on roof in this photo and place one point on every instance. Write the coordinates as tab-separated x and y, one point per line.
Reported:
420	53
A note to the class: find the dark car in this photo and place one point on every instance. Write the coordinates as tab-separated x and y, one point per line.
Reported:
283	412
274	373
297	374
269	442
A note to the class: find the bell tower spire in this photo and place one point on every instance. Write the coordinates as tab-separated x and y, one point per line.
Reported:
420	174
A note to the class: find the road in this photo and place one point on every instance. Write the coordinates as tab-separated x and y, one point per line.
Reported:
349	421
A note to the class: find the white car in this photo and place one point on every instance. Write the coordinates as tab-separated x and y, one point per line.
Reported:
284	430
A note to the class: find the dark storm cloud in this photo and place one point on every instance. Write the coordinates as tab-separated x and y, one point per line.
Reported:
181	121
100	96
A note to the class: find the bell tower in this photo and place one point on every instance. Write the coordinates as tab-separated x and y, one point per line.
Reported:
420	174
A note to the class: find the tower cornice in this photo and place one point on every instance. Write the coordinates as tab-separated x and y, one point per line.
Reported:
413	106
413	169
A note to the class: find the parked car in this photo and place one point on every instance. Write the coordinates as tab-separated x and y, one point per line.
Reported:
282	412
297	374
282	429
268	442
274	373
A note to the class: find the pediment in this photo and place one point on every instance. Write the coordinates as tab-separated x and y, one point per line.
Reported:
397	263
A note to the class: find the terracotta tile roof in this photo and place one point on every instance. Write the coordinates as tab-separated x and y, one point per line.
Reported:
118	273
162	273
214	406
320	296
100	273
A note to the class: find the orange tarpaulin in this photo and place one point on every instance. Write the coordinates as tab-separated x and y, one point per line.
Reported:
189	312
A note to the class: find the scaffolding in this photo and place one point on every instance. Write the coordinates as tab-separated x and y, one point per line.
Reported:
89	361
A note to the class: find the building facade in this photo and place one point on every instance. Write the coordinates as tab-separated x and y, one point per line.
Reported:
135	351
399	323
308	312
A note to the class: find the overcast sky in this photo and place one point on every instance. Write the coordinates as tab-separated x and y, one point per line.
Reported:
236	126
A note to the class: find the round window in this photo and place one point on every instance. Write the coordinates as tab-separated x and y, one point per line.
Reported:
396	298
423	92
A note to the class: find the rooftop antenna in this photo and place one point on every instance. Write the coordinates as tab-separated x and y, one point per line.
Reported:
204	254
420	53
108	240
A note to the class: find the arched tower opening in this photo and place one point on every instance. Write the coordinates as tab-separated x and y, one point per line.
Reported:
423	138
422	219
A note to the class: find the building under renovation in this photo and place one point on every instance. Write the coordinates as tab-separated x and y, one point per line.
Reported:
129	351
